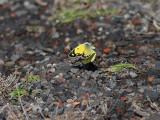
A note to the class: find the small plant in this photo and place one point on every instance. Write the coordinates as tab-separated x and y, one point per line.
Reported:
119	67
77	10
22	91
33	78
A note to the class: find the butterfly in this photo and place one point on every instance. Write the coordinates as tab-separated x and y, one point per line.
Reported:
85	51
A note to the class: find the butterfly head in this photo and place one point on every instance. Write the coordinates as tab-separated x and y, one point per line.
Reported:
89	45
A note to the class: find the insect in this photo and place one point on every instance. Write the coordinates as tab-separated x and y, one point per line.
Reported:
85	51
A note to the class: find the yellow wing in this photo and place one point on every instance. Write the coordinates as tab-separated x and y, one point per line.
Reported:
86	51
78	51
90	58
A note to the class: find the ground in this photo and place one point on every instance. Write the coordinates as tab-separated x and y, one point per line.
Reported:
39	80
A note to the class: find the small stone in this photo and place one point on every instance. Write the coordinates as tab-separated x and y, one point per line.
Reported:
52	81
150	79
106	50
143	48
14	57
79	31
100	29
69	101
94	74
154	116
67	39
69	105
153	95
158	87
129	82
46	109
133	74
74	70
9	63
55	35
126	16
1	62
48	65
21	12
52	70
3	2
93	111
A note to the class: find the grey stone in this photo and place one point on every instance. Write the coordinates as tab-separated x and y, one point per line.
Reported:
154	116
3	2
129	82
133	74
53	70
9	63
63	68
153	95
74	70
21	12
94	74
14	57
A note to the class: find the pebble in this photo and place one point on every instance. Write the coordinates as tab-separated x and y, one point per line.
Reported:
9	63
21	12
143	48
69	105
3	2
153	95
63	67
55	35
1	62
48	65
53	70
14	57
126	16
94	74
133	74
74	70
79	31
100	29
129	82
67	39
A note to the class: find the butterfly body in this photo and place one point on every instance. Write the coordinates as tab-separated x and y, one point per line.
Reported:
86	51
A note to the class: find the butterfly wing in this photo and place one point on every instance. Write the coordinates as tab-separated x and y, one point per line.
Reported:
78	51
90	58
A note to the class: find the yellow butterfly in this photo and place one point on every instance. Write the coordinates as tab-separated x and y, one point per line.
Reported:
86	51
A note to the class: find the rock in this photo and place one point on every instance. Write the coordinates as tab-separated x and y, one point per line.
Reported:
9	63
143	48
153	95
121	43
129	82
133	74
74	70
67	39
1	62
63	68
94	74
79	31
55	35
60	110
154	116
52	70
14	57
100	29
69	105
126	16
21	12
44	97
3	2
